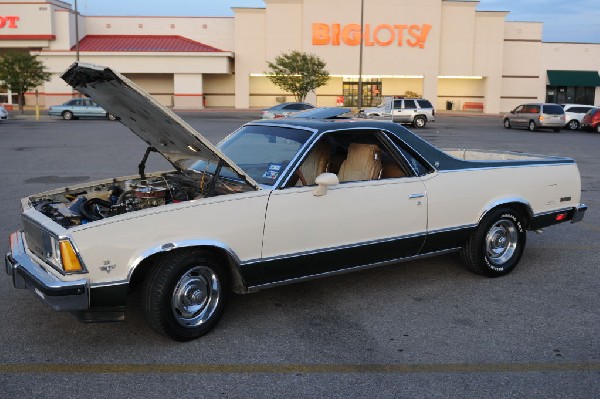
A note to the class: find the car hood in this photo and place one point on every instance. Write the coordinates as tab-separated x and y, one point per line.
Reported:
154	123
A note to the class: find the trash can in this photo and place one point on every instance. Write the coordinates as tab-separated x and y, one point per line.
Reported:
449	105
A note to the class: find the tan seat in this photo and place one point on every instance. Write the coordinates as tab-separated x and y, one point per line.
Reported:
362	163
315	163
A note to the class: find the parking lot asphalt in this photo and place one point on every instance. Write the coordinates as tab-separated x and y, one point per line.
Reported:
426	328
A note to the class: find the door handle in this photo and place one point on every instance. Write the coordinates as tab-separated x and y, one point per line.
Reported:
414	196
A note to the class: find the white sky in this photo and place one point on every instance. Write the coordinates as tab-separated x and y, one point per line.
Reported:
564	20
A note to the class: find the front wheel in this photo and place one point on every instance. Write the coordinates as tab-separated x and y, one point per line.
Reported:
111	117
495	247
419	121
573	124
598	128
185	294
507	124
67	115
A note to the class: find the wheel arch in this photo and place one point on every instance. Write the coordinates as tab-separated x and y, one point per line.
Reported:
519	204
225	255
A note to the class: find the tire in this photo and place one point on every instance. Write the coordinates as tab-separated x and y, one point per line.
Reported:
419	121
532	126
67	115
598	128
556	129
507	124
185	294
495	247
573	124
111	117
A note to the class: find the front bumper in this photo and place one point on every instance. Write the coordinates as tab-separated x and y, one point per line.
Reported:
28	273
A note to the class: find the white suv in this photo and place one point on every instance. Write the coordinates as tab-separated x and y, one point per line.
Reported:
574	114
415	111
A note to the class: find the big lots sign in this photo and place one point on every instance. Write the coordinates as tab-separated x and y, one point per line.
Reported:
377	35
9	22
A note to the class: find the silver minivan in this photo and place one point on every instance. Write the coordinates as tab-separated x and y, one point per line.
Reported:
536	116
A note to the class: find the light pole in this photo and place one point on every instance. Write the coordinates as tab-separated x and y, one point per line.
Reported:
76	33
360	57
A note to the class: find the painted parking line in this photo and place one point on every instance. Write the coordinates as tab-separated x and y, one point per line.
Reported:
297	368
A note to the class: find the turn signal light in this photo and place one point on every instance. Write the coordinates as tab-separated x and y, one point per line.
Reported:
70	261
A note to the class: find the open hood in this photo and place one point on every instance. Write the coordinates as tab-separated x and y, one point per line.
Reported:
154	123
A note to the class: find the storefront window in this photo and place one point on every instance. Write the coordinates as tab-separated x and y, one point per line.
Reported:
371	93
570	95
6	97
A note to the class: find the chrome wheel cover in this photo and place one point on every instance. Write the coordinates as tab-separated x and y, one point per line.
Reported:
419	122
573	125
501	242
196	296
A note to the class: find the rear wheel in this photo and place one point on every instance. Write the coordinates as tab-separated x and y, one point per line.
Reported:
573	124
67	115
507	124
532	126
598	128
185	294
419	121
496	246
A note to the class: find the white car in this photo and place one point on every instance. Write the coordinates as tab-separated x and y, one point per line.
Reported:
3	113
415	111
574	114
276	202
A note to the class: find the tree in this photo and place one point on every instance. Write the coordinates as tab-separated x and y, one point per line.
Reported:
21	72
298	73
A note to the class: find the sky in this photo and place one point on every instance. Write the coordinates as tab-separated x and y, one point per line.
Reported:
564	20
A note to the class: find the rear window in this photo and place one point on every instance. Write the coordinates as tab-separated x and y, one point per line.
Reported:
553	109
424	104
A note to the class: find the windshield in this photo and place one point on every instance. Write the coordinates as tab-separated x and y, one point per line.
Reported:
263	152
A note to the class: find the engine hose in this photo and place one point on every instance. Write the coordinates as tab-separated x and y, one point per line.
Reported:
87	208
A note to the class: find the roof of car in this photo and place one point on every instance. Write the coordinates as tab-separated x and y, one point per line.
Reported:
321	125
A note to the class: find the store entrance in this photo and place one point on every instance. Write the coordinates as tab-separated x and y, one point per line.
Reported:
371	93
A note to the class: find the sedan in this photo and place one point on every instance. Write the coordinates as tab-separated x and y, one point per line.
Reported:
284	110
3	113
79	108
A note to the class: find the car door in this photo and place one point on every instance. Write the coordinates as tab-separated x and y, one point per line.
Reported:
517	117
354	224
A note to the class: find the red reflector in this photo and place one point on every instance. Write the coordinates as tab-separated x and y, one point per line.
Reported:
561	216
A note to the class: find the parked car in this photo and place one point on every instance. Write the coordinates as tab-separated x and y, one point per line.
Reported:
3	113
274	203
414	111
284	110
536	116
591	120
79	108
574	114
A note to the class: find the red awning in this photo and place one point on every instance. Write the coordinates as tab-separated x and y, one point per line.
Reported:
150	43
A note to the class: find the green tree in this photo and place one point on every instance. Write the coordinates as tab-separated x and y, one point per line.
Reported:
298	73
21	72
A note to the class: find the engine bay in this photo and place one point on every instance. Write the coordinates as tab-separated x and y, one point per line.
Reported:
84	204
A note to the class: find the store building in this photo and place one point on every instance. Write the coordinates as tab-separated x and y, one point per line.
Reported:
443	50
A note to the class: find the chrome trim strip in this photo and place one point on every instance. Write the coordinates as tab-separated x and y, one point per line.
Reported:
256	288
447	229
330	249
532	165
504	202
166	247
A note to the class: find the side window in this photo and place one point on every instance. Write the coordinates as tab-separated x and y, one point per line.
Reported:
519	109
352	156
410	104
424	104
294	107
534	109
397	104
419	166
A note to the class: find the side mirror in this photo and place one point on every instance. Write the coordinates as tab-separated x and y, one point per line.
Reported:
324	180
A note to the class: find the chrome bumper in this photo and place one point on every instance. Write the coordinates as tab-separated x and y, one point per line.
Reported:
27	273
579	212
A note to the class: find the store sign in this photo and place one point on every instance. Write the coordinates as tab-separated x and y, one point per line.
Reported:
9	22
378	35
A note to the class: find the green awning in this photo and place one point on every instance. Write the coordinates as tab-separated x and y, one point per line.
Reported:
573	78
